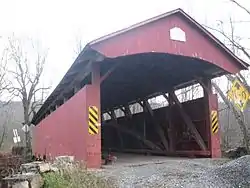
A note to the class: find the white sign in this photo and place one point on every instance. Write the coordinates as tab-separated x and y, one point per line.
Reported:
25	128
16	137
15	132
177	34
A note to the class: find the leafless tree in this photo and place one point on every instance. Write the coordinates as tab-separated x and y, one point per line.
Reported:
241	6
3	135
6	116
3	71
26	70
79	45
3	85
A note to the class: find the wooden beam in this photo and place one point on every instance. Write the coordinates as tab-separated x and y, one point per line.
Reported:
141	103
188	121
203	85
103	119
159	129
76	89
133	133
108	73
171	128
127	111
114	119
109	113
113	115
168	98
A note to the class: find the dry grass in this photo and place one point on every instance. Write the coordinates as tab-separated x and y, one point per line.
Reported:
76	177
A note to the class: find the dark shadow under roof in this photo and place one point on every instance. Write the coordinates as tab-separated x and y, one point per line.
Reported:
138	76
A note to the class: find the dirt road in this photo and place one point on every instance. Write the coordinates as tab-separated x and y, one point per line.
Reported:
141	171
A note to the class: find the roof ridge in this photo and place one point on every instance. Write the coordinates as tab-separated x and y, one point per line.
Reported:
164	15
136	25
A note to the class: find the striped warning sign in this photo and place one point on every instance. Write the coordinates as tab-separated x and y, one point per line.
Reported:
93	120
214	122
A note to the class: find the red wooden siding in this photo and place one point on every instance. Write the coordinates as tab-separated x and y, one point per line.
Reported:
155	37
64	131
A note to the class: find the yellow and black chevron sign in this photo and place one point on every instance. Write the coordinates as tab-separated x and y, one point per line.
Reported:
214	122
93	120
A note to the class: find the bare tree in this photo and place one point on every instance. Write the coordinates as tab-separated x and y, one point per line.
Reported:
3	130
25	73
3	86
235	41
3	135
6	116
79	45
241	6
3	71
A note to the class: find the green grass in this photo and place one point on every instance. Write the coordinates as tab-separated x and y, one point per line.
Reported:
75	178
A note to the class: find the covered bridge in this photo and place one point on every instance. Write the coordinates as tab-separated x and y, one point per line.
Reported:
152	58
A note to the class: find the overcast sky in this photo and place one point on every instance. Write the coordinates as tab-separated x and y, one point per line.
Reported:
57	23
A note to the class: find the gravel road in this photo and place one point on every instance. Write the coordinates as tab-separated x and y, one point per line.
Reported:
184	173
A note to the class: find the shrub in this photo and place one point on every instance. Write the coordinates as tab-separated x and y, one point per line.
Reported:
54	180
75	178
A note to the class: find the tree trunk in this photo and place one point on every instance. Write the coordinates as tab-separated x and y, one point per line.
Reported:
27	133
2	137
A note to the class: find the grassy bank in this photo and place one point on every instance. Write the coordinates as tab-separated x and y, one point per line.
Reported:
75	178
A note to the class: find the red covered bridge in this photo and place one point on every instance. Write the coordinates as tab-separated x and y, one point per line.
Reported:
152	58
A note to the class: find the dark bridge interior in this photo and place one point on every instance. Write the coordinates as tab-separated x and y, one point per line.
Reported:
133	80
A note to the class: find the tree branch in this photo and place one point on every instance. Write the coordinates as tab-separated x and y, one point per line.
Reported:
25	81
241	6
3	135
233	42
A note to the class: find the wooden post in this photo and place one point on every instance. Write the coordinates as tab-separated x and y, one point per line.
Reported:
51	110
114	119
188	122
93	99
64	99
128	111
76	89
211	109
159	129
171	127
